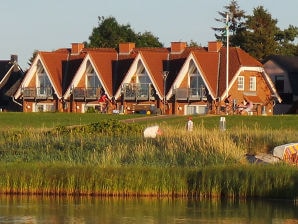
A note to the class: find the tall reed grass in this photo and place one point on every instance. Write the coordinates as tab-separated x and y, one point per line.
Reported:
238	181
112	158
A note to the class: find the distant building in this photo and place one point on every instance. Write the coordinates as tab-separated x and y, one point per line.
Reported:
11	76
283	71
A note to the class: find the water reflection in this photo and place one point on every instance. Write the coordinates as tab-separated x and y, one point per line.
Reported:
29	209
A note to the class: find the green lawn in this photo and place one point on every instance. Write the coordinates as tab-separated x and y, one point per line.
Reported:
95	154
51	120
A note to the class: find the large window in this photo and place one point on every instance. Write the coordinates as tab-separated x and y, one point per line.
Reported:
252	83
240	82
92	80
196	82
280	83
43	83
142	76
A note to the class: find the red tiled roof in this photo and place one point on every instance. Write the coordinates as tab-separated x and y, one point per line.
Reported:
103	61
53	62
154	60
237	58
209	65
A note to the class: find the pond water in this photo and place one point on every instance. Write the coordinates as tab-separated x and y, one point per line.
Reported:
29	209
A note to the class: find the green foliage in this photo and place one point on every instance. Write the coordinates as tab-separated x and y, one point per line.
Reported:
110	33
111	158
237	181
236	23
258	33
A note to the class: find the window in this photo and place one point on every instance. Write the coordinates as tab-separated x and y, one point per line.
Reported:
92	80
43	83
196	83
252	83
44	108
240	82
142	76
280	83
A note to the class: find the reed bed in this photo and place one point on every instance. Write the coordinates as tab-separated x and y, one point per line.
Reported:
239	181
111	158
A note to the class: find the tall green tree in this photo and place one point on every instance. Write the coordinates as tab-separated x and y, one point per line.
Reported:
260	34
109	33
235	23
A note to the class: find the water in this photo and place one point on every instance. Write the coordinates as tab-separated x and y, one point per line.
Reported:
29	209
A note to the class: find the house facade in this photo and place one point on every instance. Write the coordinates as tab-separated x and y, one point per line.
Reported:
11	76
201	85
176	80
283	71
48	78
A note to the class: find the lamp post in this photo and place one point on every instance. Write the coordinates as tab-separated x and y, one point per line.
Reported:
164	76
227	62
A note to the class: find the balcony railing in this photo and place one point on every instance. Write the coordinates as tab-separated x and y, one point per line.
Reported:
192	94
137	91
37	92
80	93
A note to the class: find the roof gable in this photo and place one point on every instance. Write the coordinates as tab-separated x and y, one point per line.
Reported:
103	64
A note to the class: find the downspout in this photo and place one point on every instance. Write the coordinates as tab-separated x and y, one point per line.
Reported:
13	100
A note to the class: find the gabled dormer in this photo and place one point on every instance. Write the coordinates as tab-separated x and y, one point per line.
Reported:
44	87
94	76
86	86
38	84
191	83
138	84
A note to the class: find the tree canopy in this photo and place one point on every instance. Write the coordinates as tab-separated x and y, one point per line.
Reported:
257	34
109	33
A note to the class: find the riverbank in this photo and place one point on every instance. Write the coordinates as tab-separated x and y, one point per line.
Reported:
238	181
112	158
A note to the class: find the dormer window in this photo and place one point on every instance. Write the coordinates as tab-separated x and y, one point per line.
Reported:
92	80
43	82
142	75
195	80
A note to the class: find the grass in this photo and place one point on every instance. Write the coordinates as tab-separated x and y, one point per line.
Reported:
95	154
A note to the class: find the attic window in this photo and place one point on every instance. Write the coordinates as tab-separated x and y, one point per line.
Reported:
195	80
142	75
40	68
92	80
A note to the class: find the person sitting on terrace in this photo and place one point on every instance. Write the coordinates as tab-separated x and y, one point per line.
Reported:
246	107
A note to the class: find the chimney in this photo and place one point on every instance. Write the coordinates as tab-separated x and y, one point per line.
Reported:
214	46
14	58
76	48
126	48
178	47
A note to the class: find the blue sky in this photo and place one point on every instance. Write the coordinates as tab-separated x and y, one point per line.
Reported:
51	24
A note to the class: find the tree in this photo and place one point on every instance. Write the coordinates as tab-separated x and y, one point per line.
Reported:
110	33
285	39
236	23
258	33
34	54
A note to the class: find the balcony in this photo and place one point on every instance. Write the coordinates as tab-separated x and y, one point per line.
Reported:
137	91
191	94
37	92
80	93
